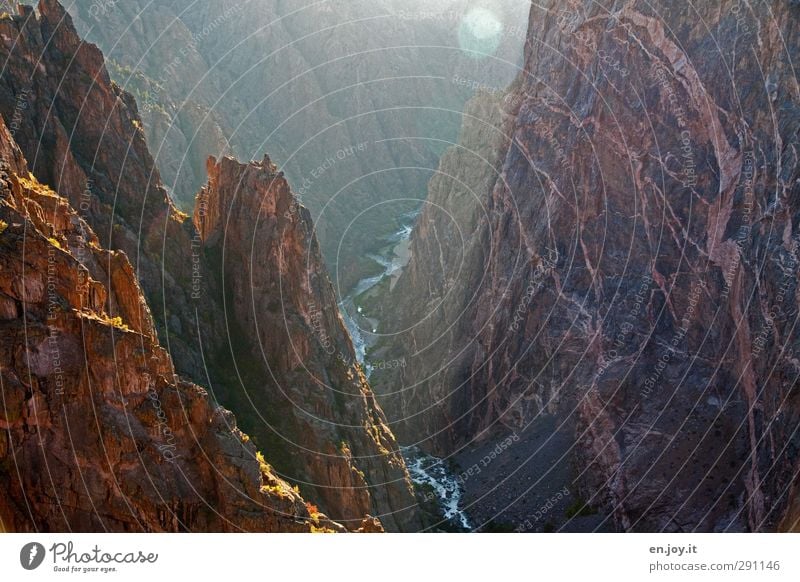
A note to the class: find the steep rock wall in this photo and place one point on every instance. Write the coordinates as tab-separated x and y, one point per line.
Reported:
639	265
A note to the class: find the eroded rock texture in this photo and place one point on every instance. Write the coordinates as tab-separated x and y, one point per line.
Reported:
631	269
82	137
282	310
306	82
98	432
84	140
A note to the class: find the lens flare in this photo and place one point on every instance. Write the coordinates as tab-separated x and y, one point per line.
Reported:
480	32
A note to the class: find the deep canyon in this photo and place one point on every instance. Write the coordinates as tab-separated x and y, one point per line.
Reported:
387	266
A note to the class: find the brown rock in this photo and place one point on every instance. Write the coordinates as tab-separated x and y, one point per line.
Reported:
98	431
114	219
284	308
633	267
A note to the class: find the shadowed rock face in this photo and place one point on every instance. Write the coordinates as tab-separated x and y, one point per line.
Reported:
632	267
83	138
320	409
98	432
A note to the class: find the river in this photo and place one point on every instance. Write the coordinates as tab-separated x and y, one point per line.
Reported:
426	469
423	468
393	258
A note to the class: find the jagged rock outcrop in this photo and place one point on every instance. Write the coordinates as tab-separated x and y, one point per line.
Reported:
319	407
354	100
98	432
84	139
638	255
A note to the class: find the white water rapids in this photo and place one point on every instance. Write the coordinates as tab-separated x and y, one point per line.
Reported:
424	469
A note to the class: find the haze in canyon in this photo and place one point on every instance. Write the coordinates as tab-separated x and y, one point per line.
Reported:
367	266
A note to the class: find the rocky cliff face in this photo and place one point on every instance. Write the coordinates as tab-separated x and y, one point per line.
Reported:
84	140
638	267
321	412
82	136
98	432
353	100
153	56
426	308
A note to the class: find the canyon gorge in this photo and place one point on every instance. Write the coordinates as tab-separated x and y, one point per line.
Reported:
611	251
333	266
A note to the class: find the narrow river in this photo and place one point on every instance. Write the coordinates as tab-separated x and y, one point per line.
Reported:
393	258
423	468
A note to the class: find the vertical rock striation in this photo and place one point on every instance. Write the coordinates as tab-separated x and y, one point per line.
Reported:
98	432
83	138
282	310
638	265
